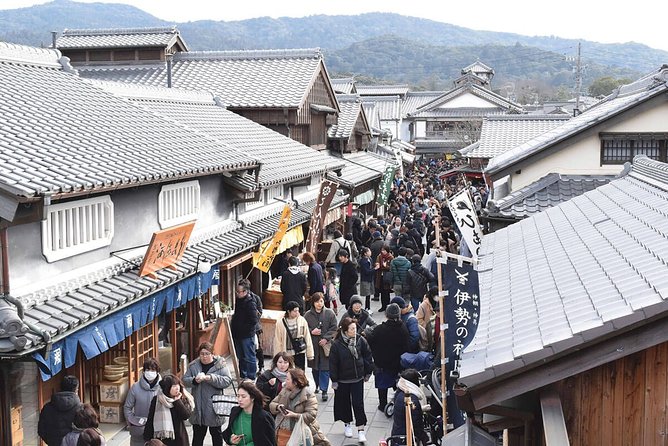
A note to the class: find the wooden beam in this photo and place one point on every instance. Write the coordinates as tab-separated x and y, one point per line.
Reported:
554	424
586	358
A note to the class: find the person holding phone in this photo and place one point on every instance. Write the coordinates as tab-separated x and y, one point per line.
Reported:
169	410
249	423
296	400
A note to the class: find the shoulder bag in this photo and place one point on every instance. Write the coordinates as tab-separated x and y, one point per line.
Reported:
298	343
223	404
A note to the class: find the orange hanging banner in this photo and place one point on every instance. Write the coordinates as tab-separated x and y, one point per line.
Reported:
265	256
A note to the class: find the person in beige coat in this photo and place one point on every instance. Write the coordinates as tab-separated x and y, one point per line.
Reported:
298	327
294	401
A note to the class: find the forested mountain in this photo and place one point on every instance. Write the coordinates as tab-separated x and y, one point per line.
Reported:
384	46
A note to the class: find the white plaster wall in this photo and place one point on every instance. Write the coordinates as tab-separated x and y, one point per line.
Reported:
135	220
420	129
583	157
467	100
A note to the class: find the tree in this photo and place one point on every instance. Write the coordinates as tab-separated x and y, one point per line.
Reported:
603	86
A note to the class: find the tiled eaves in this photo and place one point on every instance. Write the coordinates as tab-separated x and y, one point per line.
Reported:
69	306
301	53
591	266
604	110
118	38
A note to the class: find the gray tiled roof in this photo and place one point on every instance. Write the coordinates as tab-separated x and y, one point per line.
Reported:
64	308
620	101
496	101
201	112
351	109
60	134
501	133
382	90
416	99
344	85
572	274
388	107
463	112
477	67
372	115
549	191
362	167
242	79
117	38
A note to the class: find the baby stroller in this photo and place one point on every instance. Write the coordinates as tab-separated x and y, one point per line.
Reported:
429	397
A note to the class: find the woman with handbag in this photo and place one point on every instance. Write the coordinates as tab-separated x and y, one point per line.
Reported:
322	325
296	401
207	376
249	423
292	335
384	277
350	366
270	382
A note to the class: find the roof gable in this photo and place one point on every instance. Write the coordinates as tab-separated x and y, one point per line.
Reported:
464	93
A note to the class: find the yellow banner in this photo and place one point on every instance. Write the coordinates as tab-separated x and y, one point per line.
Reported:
265	256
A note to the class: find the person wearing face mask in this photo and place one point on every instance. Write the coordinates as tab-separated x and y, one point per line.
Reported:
138	401
270	382
208	375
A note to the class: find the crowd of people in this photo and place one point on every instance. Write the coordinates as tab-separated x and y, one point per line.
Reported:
327	324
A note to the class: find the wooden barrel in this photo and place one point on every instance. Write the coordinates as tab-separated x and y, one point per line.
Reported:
272	300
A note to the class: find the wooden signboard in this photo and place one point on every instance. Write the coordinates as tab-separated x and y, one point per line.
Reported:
233	351
166	248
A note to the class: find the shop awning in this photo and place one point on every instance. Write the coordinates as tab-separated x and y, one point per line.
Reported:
108	331
365	197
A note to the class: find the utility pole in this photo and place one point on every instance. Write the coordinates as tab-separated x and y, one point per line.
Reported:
578	83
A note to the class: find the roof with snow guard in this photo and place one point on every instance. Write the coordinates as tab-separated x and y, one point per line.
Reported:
120	38
242	79
559	284
502	133
62	135
203	113
623	99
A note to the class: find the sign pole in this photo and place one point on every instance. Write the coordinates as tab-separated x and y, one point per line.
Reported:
441	315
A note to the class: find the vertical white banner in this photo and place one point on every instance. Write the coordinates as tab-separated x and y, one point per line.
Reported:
463	211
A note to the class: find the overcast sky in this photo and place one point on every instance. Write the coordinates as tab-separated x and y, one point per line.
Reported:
640	21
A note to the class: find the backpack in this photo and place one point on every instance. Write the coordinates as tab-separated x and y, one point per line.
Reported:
423	343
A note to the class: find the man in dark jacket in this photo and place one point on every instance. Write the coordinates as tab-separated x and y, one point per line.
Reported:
388	341
408	317
244	326
417	282
55	420
293	285
348	279
375	247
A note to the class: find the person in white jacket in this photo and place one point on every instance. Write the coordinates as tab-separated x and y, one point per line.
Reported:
339	242
291	330
138	400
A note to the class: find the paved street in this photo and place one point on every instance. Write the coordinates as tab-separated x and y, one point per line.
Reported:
379	426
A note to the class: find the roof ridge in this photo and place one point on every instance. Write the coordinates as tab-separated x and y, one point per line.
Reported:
646	168
13	52
348	98
297	53
528	117
528	190
119	31
153	92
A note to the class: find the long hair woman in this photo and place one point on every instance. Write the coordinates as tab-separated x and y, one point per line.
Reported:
169	410
350	365
249	423
271	381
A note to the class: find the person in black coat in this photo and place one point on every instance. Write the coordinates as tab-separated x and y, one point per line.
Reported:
55	420
293	285
172	393
350	366
244	326
249	422
416	283
388	341
315	276
347	279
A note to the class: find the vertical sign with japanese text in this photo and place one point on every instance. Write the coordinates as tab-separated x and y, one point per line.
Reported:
265	256
166	248
463	211
385	185
325	197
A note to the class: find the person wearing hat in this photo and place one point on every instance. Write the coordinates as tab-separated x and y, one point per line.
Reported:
361	317
388	341
408	317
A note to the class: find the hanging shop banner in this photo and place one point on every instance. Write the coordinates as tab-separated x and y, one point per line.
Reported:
385	185
325	197
463	211
265	256
462	311
166	248
400	161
